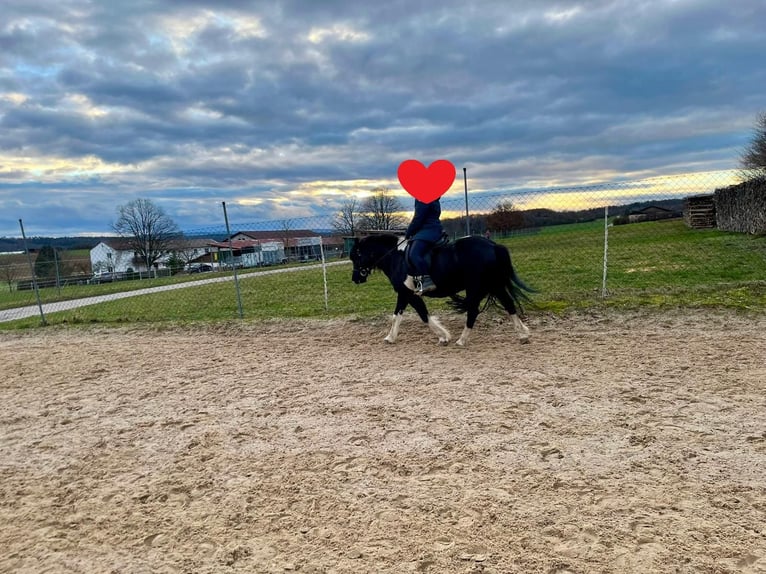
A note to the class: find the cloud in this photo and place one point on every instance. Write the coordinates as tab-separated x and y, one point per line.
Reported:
284	107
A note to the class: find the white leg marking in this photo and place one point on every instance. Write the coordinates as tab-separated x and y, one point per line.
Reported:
521	329
438	328
394	332
463	340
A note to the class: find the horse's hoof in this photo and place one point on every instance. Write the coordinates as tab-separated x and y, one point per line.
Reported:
460	343
523	340
389	341
443	342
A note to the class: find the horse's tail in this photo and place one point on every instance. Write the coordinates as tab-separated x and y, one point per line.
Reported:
516	288
513	285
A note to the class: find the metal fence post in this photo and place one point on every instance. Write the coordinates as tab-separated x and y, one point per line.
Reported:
32	271
324	274
606	250
233	266
58	273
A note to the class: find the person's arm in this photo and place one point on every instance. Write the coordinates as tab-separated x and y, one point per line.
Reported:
417	219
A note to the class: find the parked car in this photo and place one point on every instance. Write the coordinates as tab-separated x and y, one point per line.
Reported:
201	268
104	277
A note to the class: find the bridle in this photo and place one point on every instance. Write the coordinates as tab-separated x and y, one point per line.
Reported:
363	271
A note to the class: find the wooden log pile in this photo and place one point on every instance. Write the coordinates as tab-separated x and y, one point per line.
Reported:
742	207
699	211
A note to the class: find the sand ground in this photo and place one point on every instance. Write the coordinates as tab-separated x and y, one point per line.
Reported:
611	442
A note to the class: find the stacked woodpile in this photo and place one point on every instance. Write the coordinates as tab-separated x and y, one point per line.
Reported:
699	211
742	207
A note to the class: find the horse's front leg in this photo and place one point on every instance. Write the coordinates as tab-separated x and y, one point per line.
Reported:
433	323
401	305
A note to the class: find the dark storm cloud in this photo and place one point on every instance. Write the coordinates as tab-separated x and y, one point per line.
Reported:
194	100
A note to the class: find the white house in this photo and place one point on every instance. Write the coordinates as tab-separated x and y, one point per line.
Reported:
115	255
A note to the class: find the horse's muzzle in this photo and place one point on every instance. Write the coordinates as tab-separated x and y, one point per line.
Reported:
359	276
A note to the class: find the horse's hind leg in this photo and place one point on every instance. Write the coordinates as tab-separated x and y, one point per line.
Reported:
507	301
521	329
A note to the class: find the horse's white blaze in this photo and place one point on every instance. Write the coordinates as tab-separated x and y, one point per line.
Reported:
463	340
394	332
439	329
521	328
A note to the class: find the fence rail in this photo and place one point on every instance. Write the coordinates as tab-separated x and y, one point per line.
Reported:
574	245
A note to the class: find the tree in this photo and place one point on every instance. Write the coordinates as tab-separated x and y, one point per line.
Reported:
147	229
347	220
381	211
183	252
753	160
9	272
72	263
175	263
505	217
46	262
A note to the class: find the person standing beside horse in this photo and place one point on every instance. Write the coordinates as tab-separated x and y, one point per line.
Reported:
424	231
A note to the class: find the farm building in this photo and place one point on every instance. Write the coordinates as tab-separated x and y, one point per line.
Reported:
244	252
298	244
117	256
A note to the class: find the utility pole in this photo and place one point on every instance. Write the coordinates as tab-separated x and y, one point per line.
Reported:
467	216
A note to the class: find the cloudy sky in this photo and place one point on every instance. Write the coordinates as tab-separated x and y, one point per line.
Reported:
284	108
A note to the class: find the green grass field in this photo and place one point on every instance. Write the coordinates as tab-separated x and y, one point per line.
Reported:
649	264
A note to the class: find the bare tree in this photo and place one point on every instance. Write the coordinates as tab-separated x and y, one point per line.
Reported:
382	211
505	217
8	273
346	221
753	159
184	251
150	233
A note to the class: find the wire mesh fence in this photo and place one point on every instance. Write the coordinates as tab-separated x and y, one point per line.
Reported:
647	240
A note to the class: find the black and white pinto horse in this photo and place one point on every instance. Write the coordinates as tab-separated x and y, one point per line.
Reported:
476	265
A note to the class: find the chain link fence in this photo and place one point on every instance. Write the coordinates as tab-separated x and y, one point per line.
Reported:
649	240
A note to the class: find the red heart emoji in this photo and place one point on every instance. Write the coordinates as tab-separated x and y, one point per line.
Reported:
426	184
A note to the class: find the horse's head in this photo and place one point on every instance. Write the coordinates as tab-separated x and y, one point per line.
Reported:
372	252
362	262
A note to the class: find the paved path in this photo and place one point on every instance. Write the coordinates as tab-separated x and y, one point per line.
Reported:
33	310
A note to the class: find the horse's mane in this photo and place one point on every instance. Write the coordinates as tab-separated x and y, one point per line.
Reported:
388	240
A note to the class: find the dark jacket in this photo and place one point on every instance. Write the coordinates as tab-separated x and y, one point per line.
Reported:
425	222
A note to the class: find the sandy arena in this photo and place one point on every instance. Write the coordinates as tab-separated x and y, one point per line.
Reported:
611	443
